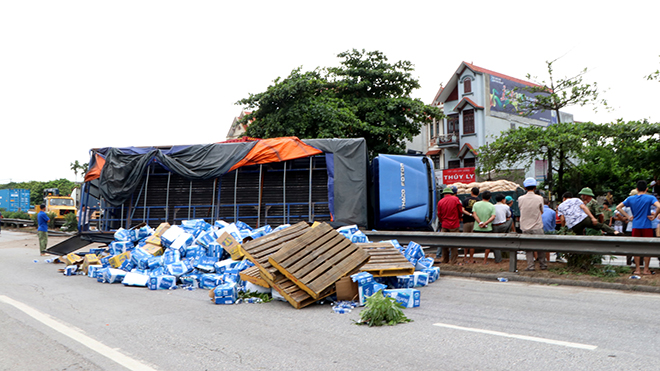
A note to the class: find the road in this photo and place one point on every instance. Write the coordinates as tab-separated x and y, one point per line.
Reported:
54	322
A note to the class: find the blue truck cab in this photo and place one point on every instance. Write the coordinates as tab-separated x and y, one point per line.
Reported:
403	189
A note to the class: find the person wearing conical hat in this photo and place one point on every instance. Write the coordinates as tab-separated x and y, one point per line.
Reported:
587	196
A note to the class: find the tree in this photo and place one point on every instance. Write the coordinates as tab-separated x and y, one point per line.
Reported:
523	145
77	166
609	156
554	95
366	96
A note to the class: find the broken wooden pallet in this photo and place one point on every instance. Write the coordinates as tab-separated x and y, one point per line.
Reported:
318	259
385	260
253	274
294	294
257	251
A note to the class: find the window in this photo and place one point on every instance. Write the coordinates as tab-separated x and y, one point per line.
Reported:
468	122
455	164
437	128
469	162
452	124
467	86
436	161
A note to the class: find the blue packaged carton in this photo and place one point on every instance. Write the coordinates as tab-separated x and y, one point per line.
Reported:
409	298
163	282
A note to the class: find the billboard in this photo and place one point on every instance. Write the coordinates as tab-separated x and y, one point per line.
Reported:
458	175
504	98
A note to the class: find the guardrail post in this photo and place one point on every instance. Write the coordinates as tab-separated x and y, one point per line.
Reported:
513	261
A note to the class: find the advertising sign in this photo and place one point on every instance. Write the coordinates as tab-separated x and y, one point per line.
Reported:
505	98
459	175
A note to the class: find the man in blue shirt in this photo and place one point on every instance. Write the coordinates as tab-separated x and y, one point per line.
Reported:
549	217
42	230
640	205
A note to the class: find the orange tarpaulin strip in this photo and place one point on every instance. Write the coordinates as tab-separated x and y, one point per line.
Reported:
95	171
277	150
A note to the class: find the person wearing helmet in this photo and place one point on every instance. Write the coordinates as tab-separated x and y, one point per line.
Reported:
587	196
531	220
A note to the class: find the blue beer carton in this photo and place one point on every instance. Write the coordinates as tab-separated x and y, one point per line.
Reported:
362	278
404	282
409	298
433	272
424	263
163	282
70	270
209	281
112	275
421	279
180	268
170	235
223	265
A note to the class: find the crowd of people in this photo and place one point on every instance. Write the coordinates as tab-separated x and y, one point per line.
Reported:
636	216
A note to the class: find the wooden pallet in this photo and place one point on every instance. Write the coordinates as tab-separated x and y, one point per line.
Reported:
318	259
385	260
258	250
253	274
294	294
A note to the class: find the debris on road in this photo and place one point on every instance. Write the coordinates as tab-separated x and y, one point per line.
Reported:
236	263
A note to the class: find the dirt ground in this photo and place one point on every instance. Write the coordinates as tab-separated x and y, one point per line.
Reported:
554	271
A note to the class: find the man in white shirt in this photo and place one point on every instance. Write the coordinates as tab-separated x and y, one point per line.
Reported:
501	223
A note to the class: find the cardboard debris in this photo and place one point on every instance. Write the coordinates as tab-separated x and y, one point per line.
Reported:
297	263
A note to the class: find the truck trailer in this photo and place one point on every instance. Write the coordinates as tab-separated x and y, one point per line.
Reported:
270	181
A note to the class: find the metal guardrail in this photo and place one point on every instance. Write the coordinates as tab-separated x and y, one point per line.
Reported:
602	245
17	222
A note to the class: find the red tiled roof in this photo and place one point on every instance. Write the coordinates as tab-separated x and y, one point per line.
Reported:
464	152
465	101
433	152
483	70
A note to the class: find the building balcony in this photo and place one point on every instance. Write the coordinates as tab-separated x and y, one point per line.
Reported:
448	141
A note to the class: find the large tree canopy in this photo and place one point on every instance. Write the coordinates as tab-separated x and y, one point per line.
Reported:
366	96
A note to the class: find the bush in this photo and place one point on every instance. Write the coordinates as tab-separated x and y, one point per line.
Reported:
70	222
16	215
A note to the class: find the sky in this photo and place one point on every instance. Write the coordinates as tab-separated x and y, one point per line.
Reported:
76	75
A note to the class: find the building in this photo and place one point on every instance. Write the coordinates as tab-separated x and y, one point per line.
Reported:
237	129
479	104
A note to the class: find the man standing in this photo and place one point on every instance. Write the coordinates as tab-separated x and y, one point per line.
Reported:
531	220
640	205
468	220
484	214
502	222
449	216
42	230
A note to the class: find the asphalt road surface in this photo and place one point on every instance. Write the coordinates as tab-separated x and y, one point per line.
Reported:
53	322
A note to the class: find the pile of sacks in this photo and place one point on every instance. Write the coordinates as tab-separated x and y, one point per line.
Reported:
197	254
493	186
194	254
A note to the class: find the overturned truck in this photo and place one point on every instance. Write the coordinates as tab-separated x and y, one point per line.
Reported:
270	181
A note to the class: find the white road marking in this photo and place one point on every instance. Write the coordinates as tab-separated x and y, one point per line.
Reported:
521	337
85	340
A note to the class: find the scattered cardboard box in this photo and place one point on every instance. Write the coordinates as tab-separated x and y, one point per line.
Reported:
230	245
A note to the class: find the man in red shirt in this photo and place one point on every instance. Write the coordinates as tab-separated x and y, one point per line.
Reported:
450	210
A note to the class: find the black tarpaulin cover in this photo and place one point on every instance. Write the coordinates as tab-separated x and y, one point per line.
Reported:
124	169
